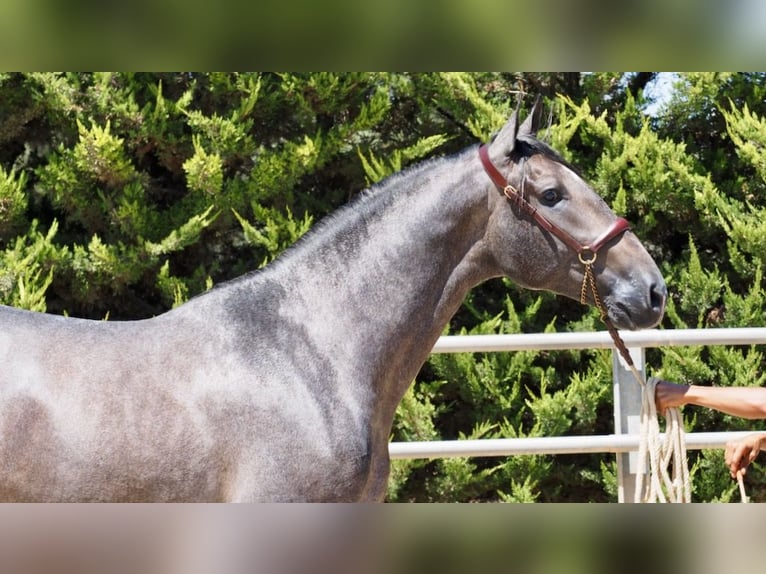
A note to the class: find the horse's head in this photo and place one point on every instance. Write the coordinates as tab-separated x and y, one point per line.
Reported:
547	223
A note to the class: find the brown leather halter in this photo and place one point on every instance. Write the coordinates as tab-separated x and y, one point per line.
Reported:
586	253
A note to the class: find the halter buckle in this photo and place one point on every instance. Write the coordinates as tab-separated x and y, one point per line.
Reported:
511	192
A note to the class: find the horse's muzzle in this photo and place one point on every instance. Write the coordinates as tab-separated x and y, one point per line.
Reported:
639	314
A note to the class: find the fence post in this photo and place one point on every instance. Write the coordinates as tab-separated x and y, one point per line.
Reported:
627	417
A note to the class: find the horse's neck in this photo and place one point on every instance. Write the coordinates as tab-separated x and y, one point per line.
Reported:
377	285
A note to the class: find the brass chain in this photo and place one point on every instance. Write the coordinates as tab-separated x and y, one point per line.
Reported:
589	281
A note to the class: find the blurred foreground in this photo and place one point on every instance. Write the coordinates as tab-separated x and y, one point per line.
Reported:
324	539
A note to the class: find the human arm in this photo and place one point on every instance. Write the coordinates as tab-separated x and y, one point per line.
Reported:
740	453
744	402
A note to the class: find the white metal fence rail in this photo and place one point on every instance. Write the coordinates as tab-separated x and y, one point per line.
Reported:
627	396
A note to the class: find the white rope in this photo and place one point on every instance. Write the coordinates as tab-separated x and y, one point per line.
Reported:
741	483
659	453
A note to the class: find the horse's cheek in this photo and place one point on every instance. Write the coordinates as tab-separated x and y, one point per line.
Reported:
516	254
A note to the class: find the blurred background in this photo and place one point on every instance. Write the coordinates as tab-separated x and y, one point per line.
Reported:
343	34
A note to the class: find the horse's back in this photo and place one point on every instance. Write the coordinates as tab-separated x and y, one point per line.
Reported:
91	410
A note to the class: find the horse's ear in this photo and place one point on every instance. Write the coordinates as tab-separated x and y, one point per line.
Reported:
505	139
534	119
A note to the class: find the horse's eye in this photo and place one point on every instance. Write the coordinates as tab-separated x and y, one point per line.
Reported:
550	197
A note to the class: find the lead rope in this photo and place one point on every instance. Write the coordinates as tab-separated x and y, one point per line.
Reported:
741	483
662	486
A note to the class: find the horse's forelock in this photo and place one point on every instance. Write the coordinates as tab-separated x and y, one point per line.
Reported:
528	146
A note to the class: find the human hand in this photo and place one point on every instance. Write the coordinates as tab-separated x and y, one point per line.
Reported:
740	453
668	395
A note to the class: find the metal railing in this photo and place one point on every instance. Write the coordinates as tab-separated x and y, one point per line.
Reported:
627	396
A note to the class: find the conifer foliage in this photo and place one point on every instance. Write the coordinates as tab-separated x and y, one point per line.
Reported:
122	195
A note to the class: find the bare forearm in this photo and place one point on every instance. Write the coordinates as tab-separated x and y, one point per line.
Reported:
745	402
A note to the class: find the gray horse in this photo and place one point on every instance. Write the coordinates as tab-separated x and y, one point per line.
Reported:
282	385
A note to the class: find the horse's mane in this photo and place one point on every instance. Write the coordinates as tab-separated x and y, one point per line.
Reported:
360	207
367	201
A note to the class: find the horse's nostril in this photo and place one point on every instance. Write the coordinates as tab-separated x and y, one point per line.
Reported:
658	294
